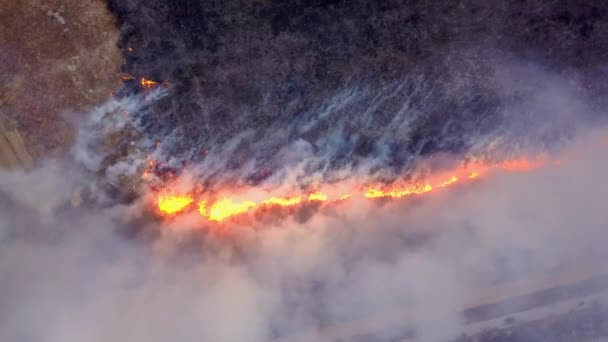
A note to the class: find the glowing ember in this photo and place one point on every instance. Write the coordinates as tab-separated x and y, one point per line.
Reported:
147	83
149	168
172	204
225	208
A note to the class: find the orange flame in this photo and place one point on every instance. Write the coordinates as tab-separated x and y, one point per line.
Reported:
227	207
344	197
147	83
173	204
283	201
449	182
398	193
317	196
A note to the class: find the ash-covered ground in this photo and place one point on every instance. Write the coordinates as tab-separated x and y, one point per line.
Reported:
355	83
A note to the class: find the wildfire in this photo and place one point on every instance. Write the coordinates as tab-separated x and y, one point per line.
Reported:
283	201
144	83
173	204
449	182
317	196
344	197
398	193
147	83
227	207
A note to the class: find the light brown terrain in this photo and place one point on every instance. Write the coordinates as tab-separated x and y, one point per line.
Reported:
12	148
56	57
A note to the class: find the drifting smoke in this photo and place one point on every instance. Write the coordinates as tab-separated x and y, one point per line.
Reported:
381	132
78	265
403	132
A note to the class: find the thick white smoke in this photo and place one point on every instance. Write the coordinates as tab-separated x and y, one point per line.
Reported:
72	272
74	276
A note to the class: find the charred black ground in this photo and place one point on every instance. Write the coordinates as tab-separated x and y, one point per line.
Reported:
265	65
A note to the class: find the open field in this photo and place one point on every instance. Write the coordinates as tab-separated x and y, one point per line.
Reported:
56	57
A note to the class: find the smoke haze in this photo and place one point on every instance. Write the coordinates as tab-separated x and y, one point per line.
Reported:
106	271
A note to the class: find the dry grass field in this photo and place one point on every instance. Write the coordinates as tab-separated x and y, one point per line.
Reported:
56	57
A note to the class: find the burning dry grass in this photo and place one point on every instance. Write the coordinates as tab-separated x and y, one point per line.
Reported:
226	205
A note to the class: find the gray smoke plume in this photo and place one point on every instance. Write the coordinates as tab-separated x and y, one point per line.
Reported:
77	269
497	108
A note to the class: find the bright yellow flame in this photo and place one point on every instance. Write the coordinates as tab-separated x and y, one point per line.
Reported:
426	188
172	204
283	201
317	196
225	208
413	190
449	182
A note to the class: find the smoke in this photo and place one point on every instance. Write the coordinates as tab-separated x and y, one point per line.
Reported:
74	275
98	269
380	131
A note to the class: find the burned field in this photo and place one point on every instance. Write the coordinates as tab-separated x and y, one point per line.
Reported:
252	171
